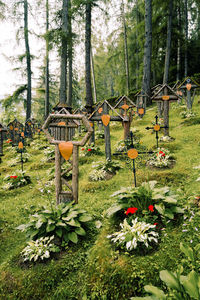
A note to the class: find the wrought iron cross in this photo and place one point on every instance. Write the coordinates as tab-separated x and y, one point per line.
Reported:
156	128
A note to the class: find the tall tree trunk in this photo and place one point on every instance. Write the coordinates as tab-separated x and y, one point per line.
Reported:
47	62
186	38
70	55
126	60
146	83
166	70
137	46
93	76
63	66
179	42
88	85
28	61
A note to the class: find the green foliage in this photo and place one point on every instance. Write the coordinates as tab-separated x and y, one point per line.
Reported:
66	222
49	154
136	235
99	134
161	158
17	180
108	165
97	175
151	202
39	249
187	114
89	150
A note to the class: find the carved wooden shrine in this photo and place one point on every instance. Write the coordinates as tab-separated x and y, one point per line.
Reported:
166	95
60	124
187	89
14	131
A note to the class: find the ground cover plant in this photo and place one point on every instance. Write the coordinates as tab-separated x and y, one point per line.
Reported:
95	267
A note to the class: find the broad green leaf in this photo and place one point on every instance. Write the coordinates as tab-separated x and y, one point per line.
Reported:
85	218
71	215
155	291
50	221
160	208
168	214
39	224
177	209
187	251
170	279
60	223
190	284
65	236
21	227
157	196
113	209
65	209
59	232
73	237
50	227
170	200
73	223
145	298
80	231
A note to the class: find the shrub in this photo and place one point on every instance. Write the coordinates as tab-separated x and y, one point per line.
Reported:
187	114
139	234
108	165
97	175
89	150
66	222
49	154
39	249
17	180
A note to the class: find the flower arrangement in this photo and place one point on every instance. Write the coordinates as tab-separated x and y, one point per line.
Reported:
89	150
104	170
17	180
39	249
134	235
8	141
161	158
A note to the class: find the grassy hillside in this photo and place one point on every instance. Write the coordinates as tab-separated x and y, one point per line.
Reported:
94	269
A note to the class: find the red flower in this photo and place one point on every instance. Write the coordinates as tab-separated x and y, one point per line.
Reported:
155	224
161	152
89	149
13	177
131	210
151	208
82	148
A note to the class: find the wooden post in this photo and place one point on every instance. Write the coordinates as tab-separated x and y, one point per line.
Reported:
166	115
107	135
57	173
75	173
189	102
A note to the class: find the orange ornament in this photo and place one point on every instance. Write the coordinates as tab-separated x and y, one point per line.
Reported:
156	127
91	124
11	127
165	97
125	107
16	129
132	153
22	134
100	110
20	145
141	111
105	119
66	149
61	124
188	86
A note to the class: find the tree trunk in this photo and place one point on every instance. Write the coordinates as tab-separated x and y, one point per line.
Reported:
47	62
70	51
63	66
28	61
88	85
186	38
137	46
179	43
166	70
146	83
93	76
126	60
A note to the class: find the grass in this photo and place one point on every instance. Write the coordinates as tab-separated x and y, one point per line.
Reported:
93	269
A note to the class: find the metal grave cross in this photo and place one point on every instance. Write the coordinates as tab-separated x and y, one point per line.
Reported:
156	128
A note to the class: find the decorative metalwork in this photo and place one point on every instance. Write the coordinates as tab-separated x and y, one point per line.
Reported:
156	129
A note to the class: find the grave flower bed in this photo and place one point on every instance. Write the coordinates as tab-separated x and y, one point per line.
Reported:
103	170
187	114
141	213
89	150
161	158
16	180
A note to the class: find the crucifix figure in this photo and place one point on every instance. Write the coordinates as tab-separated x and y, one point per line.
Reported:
156	128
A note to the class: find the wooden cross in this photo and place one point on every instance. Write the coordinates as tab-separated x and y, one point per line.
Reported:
188	85
166	95
2	132
14	129
133	154
156	128
60	124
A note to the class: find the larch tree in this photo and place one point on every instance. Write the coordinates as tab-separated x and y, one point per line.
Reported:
70	56
47	62
186	38
146	83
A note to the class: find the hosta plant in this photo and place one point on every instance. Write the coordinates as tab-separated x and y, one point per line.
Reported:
97	175
135	235
40	249
161	158
89	150
148	202
65	221
187	114
108	165
16	180
49	154
99	134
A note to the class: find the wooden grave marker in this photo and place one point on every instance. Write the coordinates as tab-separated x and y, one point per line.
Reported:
57	137
156	129
187	89
3	130
14	130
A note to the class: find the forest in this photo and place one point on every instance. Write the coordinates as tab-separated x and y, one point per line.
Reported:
99	150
